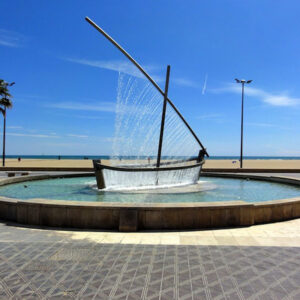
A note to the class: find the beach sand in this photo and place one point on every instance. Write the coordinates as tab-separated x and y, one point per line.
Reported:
69	163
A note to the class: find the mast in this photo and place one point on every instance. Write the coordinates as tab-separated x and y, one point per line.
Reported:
147	76
163	116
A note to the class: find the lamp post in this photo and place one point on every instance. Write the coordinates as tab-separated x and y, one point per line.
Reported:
242	81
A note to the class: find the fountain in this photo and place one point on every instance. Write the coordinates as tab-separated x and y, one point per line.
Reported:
162	173
152	180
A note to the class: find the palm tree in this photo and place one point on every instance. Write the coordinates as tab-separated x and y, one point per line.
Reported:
5	102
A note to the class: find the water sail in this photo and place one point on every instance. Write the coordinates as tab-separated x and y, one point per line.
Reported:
153	143
138	124
147	76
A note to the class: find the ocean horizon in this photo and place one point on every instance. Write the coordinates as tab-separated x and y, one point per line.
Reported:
79	157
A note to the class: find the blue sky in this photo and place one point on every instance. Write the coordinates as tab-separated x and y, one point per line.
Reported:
66	73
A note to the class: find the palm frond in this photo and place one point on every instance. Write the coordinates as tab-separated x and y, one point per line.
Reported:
5	96
5	93
4	88
6	103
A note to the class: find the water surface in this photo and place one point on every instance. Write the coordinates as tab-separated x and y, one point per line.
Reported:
84	189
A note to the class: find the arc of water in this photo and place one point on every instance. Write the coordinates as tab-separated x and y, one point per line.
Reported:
147	76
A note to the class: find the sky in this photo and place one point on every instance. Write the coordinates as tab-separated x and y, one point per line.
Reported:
66	73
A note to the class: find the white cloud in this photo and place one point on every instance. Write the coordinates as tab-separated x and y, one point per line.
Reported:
50	135
100	107
130	69
32	135
103	106
78	135
68	145
15	127
88	117
11	39
109	139
266	125
204	84
210	116
281	100
113	65
185	82
290	152
272	99
260	124
114	139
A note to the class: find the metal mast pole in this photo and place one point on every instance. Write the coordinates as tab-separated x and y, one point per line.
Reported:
242	81
163	116
242	126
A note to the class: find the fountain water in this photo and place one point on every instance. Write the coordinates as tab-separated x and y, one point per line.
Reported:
147	122
136	138
137	126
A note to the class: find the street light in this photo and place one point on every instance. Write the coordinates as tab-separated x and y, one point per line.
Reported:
242	81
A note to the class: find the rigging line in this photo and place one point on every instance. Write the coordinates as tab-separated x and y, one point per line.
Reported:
147	76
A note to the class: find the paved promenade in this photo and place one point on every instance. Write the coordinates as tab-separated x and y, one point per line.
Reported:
258	262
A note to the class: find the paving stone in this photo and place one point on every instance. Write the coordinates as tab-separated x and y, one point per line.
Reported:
58	268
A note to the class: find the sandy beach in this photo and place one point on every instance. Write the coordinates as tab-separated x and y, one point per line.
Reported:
69	163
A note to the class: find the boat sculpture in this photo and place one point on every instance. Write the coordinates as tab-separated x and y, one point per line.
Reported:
151	174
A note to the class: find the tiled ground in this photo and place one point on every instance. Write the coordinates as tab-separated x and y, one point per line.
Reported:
86	270
259	262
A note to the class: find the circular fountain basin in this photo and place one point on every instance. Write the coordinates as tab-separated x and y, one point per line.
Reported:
212	202
206	190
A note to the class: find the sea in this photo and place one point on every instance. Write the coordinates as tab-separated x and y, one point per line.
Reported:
80	157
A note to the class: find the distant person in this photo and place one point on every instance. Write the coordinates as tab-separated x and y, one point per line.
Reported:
149	160
58	157
19	159
201	155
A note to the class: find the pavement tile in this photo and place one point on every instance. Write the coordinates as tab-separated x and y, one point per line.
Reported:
35	264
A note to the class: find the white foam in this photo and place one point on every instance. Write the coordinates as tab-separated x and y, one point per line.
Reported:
179	188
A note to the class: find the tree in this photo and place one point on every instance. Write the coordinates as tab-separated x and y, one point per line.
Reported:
5	103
